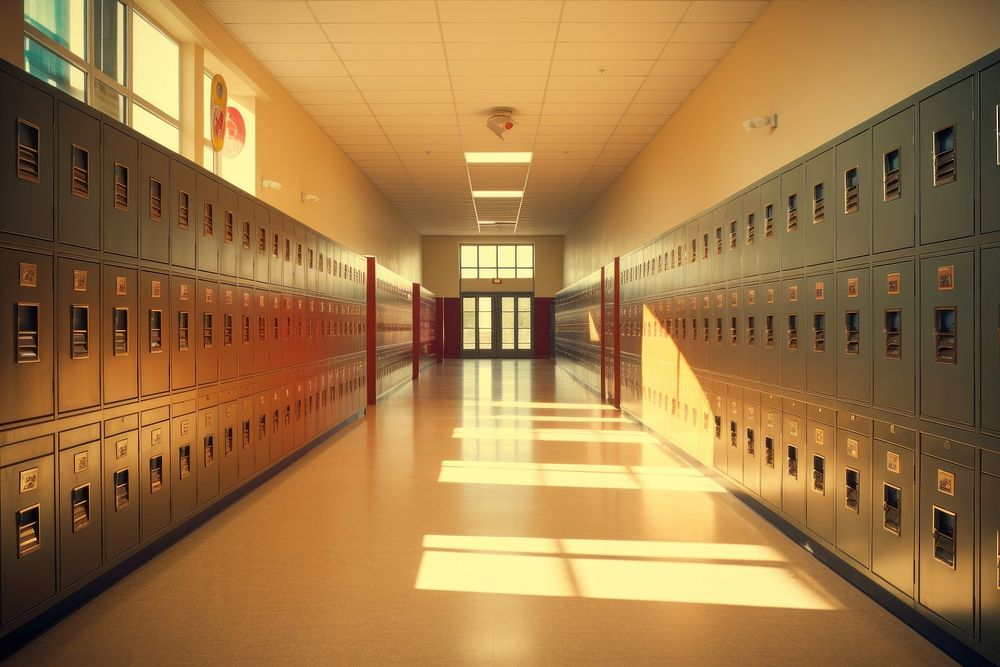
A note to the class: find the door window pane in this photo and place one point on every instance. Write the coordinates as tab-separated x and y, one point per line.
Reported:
54	70
469	339
508	320
524	339
156	64
485	339
468	319
155	128
508	339
62	21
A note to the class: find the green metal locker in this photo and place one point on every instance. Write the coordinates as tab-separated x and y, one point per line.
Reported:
183	442
120	287
796	469
230	332
894	332
706	250
720	441
717	338
155	333
752	438
733	236
78	338
208	454
207	216
821	483
947	146
894	505
854	330
79	173
792	215
894	183
229	445
207	331
734	433
989	154
230	236
262	243
989	552
733	330
821	354
718	243
121	479
819	219
246	237
155	205
771	450
772	332
692	237
753	233
247	334
793	333
261	430
853	205
853	485
186	219
80	526
28	141
771	223
752	339
182	322
989	339
309	259
246	435
120	208
155	474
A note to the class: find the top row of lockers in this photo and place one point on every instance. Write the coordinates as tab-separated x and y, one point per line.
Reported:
912	178
91	184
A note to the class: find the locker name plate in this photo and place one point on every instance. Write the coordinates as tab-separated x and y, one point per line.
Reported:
946	278
28	274
154	288
852	288
28	480
121	449
892	284
121	286
892	463
946	482
80	462
79	280
852	448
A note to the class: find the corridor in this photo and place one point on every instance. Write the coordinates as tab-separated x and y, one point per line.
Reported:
492	512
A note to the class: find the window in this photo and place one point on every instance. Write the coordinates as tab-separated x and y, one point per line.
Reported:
497	261
236	165
109	56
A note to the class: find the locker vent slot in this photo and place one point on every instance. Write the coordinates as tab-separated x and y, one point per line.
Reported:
155	331
718	427
245	433
704	246
694	329
261	427
156	473
751	443
945	161
227	228
79	499
277	329
227	330
819	332
27	333
246	329
769	331
793	332
27	151
946	335
209	449
751	331
819	474
245	236
851	191
311	259
155	199
893	333
206	331
183	210
852	332
79	341
892	175
751	228
182	331
793	213
684	329
29	536
694	250
718	240
275	243
208	219
261	241
718	329
227	445
734	438
769	451
288	250
769	221
945	536
261	328
184	461
298	254
121	187
119	327
819	207
733	331
892	509
852	490
80	182
793	461
732	235
120	481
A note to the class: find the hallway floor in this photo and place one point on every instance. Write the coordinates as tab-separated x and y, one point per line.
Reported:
492	512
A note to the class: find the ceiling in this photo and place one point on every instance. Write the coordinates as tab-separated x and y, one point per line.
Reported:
405	86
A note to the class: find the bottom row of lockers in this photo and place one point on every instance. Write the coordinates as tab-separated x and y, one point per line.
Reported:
65	514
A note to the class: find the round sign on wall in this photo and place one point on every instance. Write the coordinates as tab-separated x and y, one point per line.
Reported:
236	133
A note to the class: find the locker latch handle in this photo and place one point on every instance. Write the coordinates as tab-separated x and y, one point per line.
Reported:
945	536
819	332
27	333
732	235
769	451
946	335
209	449
121	489
852	333
155	331
751	443
733	331
27	151
182	331
769	221
227	330
29	537
852	490
79	342
793	461
207	333
945	156
208	219
733	436
183	210
155	199
892	505
227	445
769	331
819	474
119	328
262	427
751	228
156	473
184	461
893	334
751	331
79	499
793	213
245	432
718	427
793	332
718	330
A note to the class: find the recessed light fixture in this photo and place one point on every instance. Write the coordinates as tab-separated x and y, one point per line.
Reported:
496	222
497	194
498	157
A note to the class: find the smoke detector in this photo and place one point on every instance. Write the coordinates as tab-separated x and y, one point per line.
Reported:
500	122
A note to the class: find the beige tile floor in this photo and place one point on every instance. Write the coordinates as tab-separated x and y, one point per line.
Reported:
493	513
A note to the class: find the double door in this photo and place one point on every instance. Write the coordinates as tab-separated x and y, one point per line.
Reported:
497	325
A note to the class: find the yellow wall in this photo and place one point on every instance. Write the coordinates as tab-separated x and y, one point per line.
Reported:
823	67
441	262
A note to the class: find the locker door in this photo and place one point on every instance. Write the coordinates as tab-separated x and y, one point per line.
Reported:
121	193
208	218
231	233
309	260
947	320
261	430
155	329
246	331
853	487
796	468
989	560
186	218
28	191
720	444
26	334
277	420
120	320
854	198
734	330
947	188
208	332
276	327
718	244
78	335
753	233
155	205
230	335
246	436
261	243
277	248
290	419
229	445
734	438
989	337
752	340
821	355
27	540
771	457
820	483
734	236
182	354
772	333
208	454
752	444
154	478
989	165
820	218
894	183
121	494
854	343
79	512
288	342
718	343
184	486
288	254
769	255
793	333
893	330
947	528
246	238
706	249
79	178
298	254
793	213
893	504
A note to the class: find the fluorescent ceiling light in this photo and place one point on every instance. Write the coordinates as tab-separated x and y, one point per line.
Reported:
498	157
496	222
497	194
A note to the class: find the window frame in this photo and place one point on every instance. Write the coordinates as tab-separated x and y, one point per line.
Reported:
463	267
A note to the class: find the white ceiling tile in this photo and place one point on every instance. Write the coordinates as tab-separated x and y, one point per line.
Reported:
683	67
512	32
609	67
366	83
373	11
415	111
498	82
591	108
337	109
328	97
725	10
298	83
488	50
607	51
285	52
419	123
606	120
281	68
414	96
623	10
397	68
347	33
483	110
672	83
709	32
641	119
278	33
616	32
659	96
499	67
361	120
261	12
488	98
390	51
708	51
476	11
595	82
589	96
